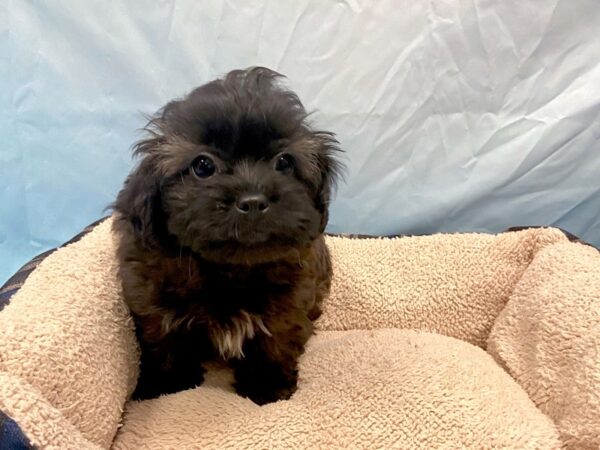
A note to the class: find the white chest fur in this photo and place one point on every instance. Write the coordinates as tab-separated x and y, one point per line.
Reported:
229	338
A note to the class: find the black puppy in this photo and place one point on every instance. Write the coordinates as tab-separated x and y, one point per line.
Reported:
220	236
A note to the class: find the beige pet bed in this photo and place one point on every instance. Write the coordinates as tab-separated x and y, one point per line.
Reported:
445	341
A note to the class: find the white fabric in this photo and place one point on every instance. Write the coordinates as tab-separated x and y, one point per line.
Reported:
455	115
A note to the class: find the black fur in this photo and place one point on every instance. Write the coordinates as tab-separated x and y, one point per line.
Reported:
196	267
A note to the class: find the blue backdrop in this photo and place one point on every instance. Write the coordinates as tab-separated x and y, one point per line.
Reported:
455	115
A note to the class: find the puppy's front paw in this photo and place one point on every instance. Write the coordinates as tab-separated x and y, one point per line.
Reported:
261	394
265	385
153	384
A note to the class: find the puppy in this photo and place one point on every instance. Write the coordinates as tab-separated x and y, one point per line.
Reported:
220	236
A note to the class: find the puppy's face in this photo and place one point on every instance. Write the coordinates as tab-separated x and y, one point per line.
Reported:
232	172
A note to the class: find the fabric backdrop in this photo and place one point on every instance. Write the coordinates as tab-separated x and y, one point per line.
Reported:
455	115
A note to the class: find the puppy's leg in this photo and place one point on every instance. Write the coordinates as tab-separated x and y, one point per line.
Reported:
167	367
323	274
269	370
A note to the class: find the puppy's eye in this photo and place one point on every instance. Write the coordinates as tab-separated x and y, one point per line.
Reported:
284	163
203	166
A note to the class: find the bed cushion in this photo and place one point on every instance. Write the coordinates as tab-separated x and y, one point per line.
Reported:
358	389
548	338
400	358
68	339
453	284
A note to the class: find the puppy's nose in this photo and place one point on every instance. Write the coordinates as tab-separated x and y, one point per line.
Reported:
252	204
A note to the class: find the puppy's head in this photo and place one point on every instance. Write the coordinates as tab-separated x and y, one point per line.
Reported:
232	172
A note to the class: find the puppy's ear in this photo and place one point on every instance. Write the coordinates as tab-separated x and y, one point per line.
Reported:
139	201
330	169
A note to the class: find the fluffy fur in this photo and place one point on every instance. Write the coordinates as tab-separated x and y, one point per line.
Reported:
220	236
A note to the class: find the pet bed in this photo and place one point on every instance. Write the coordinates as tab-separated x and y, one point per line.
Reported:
443	341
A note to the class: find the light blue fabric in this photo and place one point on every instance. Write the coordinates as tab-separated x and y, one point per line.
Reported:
455	115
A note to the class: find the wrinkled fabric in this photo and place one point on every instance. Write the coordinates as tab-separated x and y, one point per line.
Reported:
455	115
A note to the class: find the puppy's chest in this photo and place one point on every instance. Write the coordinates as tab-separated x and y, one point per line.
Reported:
231	308
223	295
